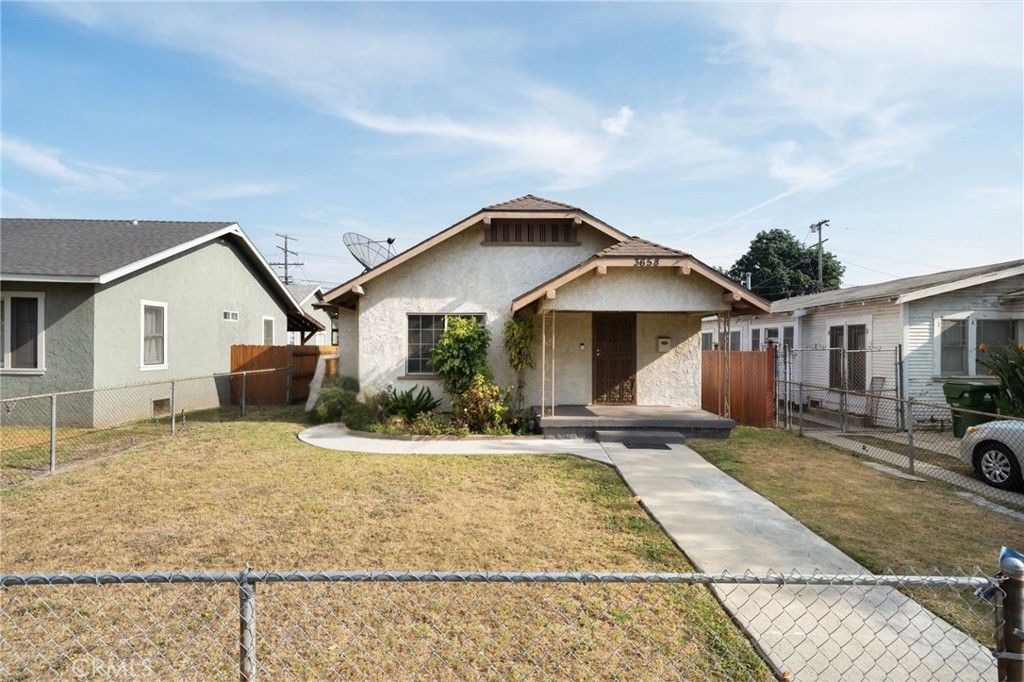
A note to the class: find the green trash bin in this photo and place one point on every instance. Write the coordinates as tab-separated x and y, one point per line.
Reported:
978	396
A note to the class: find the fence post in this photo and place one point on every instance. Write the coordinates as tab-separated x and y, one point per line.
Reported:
1010	647
910	434
174	426
288	383
246	628
53	433
800	399
241	403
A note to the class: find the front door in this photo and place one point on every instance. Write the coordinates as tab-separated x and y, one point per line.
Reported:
614	358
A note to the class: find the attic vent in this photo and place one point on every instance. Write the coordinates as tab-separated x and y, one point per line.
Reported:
532	233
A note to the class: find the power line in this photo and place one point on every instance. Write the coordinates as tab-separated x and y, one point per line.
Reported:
287	275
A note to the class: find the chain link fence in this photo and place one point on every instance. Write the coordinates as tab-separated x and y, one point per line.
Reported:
42	433
853	400
454	626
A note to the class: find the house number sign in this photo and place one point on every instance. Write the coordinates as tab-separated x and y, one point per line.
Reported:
646	262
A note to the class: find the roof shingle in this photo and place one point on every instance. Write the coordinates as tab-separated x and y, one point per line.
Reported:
530	203
640	248
890	289
89	248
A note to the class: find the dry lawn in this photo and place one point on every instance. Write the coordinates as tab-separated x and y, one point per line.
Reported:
885	523
225	495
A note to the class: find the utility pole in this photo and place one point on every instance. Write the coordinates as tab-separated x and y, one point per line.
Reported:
287	279
821	278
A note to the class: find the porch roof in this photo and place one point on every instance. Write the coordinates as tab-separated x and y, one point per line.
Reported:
641	253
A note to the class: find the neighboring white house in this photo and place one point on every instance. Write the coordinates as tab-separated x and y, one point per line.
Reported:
307	296
936	322
98	303
618	316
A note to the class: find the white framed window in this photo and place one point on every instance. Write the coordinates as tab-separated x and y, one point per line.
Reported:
780	335
849	361
268	331
962	340
424	333
22	332
231	316
153	335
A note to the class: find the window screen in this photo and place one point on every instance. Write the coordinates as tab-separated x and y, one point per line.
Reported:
153	335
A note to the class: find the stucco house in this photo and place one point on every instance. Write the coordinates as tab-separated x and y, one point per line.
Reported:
96	303
618	316
935	322
310	297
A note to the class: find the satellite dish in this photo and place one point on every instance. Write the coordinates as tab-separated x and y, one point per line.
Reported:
367	251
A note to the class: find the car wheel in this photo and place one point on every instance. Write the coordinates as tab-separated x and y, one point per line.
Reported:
997	465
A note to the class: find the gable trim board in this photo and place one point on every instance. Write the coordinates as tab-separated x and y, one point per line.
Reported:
962	284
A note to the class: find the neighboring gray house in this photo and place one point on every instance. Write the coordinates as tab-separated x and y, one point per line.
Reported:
938	322
98	303
307	296
618	316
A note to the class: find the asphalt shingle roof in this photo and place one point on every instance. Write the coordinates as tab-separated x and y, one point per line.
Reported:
635	247
531	203
88	248
301	291
890	289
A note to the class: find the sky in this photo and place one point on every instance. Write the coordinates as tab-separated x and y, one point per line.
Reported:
693	125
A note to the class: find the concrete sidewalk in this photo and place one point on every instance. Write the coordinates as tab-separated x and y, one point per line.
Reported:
815	632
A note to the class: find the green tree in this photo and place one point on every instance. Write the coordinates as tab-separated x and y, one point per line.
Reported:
780	266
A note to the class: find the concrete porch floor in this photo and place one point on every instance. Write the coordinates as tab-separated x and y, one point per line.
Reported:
584	420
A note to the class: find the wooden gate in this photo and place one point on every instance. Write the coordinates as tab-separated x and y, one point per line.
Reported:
740	385
272	388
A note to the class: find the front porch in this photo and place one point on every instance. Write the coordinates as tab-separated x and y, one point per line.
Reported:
630	422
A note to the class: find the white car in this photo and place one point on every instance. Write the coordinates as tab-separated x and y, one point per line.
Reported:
996	451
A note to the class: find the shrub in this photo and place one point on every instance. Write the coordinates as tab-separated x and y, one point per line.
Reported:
482	407
461	354
332	404
1007	364
408	404
360	417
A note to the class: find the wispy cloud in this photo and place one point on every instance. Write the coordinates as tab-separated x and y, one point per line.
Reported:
617	124
459	91
70	174
229	191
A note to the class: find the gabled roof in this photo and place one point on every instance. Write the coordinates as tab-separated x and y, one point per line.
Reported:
92	249
626	253
635	247
302	292
522	207
102	251
532	204
904	289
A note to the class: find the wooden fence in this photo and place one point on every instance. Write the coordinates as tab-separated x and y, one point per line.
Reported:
272	388
747	378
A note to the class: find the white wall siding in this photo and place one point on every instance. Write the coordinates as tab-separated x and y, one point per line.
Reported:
923	382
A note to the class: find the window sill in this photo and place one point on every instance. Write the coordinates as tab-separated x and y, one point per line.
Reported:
27	371
418	377
987	378
151	368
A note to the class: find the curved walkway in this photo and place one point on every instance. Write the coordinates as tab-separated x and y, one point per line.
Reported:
819	632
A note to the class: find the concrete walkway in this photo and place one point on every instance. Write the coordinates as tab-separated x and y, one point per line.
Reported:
814	632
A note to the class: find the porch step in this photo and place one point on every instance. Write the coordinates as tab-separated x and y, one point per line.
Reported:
639	436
